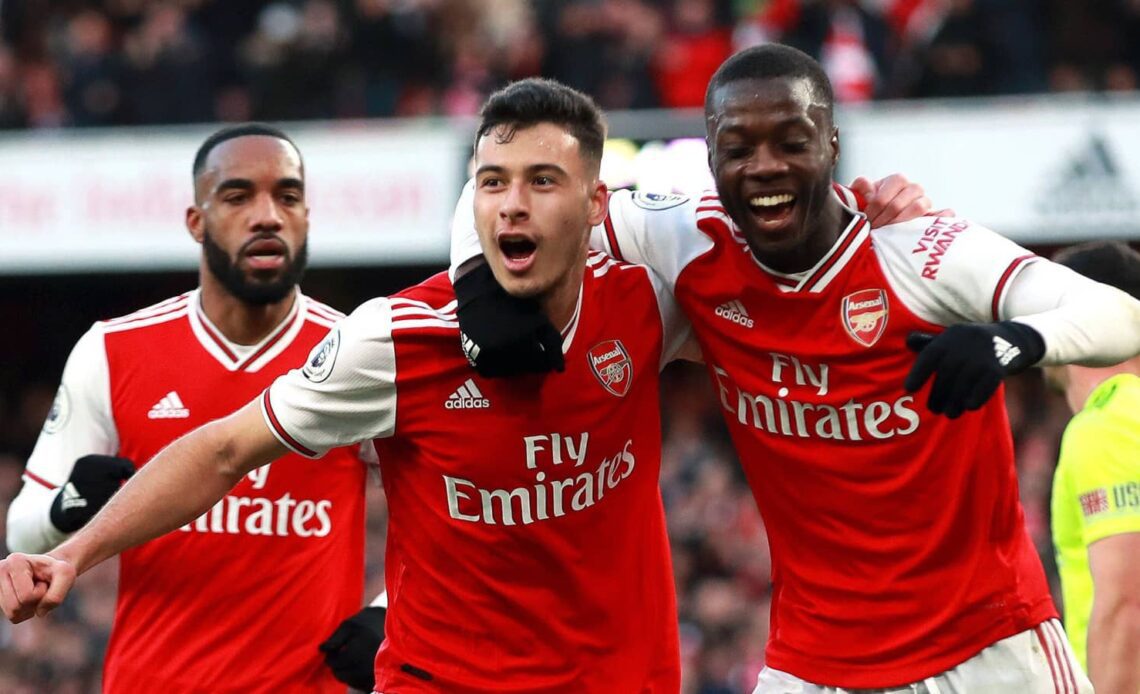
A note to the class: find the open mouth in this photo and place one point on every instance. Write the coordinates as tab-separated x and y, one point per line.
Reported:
518	252
266	254
774	210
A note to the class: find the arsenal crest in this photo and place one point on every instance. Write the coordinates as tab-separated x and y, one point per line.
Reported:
864	315
612	366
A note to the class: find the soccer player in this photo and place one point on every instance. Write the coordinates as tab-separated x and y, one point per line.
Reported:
1096	494
900	555
527	549
229	601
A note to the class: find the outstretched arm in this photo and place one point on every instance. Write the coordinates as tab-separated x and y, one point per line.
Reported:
178	485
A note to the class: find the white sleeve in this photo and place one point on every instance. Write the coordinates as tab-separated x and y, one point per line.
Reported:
464	238
952	271
656	230
345	393
678	341
80	423
948	270
1082	321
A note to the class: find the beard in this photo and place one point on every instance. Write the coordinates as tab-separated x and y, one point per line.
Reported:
250	289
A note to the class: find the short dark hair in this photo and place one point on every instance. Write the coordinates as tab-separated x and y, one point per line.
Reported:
535	100
234	131
772	60
1108	262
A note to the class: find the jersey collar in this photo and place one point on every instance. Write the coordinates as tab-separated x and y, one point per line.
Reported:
251	358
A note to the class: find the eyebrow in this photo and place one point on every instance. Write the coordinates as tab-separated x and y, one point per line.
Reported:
246	184
532	169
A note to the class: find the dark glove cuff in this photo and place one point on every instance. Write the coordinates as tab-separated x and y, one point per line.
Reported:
1027	339
63	521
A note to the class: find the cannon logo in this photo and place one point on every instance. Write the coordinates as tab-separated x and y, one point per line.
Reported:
864	315
612	366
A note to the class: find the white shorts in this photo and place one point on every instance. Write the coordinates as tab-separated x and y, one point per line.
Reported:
1036	661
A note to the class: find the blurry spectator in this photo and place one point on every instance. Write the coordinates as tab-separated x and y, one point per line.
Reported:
393	47
11	100
167	73
91	70
1094	44
850	38
696	43
604	48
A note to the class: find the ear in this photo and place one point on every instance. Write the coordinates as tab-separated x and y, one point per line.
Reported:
834	143
599	203
196	223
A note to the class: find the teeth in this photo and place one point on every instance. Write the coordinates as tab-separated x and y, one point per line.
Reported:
771	200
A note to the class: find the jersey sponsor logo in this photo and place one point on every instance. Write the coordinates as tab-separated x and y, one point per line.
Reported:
321	359
655	202
735	312
467	397
935	241
611	366
781	415
864	315
550	496
1094	502
60	411
169	407
280	517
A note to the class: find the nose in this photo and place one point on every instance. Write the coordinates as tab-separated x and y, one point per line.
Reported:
265	215
514	207
766	163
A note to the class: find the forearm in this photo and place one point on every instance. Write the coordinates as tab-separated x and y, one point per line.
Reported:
1082	322
1114	644
30	529
175	487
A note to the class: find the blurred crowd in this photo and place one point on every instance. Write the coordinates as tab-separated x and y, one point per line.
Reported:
720	552
122	62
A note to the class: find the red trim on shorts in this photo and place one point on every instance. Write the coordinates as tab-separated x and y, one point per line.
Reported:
39	480
1000	288
1039	630
1063	654
276	424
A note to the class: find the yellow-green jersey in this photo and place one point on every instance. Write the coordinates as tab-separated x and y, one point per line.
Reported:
1096	491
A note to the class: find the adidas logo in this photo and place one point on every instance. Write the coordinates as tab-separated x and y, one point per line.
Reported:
735	312
467	397
1005	351
1090	181
169	407
71	498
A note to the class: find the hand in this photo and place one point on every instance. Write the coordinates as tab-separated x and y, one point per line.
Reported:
503	335
969	361
351	650
94	480
894	199
31	585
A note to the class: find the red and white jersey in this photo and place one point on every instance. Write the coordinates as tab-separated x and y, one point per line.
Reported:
232	602
898	542
527	549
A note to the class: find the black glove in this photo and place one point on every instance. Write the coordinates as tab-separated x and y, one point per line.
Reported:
94	480
503	335
969	360
351	650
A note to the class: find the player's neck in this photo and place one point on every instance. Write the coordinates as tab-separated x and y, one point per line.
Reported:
241	322
822	235
1083	380
559	304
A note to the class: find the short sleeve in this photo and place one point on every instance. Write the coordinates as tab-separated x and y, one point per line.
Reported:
1102	457
80	421
949	270
346	391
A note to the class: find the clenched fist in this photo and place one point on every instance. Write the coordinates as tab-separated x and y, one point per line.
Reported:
31	585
